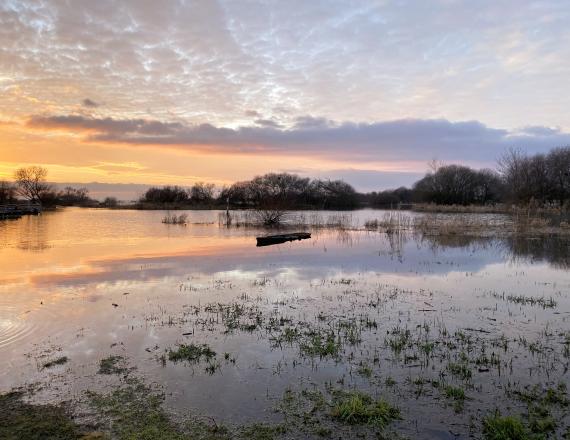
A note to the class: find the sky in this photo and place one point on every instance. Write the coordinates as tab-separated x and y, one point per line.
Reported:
132	93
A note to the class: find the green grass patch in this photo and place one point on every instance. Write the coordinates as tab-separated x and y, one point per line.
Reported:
454	393
320	344
20	420
112	365
457	395
460	370
356	408
191	353
399	340
540	426
364	370
497	427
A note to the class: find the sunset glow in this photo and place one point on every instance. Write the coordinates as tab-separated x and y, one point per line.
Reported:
213	91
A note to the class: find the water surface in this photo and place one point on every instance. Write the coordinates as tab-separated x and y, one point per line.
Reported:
89	283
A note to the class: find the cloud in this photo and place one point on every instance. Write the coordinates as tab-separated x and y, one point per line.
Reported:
268	123
89	103
303	122
220	61
398	140
539	131
104	126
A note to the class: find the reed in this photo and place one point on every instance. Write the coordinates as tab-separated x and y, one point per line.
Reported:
173	219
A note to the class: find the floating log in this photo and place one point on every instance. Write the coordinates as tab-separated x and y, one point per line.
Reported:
269	240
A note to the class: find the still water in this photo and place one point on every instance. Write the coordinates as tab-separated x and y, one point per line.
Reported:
87	284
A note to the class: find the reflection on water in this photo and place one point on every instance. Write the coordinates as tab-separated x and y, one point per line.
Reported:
90	283
88	246
550	249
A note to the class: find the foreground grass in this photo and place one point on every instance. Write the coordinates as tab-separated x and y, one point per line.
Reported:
20	420
497	427
136	412
538	425
132	412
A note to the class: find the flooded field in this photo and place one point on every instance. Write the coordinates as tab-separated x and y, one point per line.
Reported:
351	333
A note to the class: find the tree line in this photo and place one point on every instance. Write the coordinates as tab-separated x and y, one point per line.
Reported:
270	191
520	179
30	184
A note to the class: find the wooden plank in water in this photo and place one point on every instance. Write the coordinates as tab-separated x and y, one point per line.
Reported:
269	240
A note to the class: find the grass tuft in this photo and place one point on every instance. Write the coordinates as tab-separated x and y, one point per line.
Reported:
191	353
497	427
112	365
356	408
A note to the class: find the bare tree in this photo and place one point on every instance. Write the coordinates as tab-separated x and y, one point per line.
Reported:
335	194
559	173
166	194
434	165
202	192
73	196
544	178
31	183
458	185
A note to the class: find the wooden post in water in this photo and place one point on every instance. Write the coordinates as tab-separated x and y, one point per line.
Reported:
228	217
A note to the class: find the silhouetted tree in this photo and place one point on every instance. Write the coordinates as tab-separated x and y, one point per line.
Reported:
31	184
7	193
458	185
558	162
334	194
540	178
73	196
166	194
202	193
389	198
110	202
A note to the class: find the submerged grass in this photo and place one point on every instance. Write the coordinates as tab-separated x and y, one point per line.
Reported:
545	303
320	344
112	365
457	395
458	222
137	413
59	361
